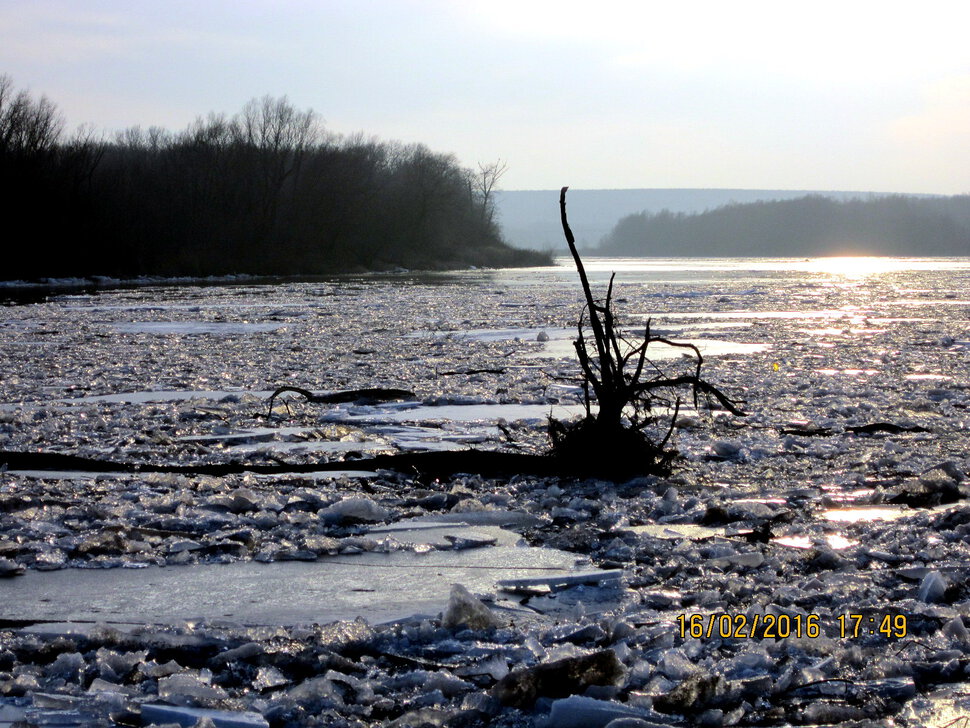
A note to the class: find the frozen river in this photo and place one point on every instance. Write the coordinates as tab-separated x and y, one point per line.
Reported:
841	493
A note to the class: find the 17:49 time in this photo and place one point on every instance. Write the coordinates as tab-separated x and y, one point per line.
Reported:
888	625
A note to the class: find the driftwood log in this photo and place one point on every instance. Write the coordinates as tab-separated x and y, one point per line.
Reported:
371	395
627	387
430	464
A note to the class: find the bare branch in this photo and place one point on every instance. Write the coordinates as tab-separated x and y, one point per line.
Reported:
626	400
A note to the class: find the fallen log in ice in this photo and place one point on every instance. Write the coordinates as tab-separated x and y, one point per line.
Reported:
435	464
370	395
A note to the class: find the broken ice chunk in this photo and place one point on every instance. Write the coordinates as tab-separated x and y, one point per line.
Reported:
466	610
727	449
751	559
334	686
180	545
957	630
470	540
675	665
116	666
156	670
494	666
104	686
558	679
246	651
153	713
68	665
10	568
932	588
698	690
269	677
241	500
50	559
357	509
425	716
828	712
579	711
186	688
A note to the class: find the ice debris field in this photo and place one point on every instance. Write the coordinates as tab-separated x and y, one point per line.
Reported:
804	565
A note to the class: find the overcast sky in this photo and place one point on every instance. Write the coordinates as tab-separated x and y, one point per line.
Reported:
789	94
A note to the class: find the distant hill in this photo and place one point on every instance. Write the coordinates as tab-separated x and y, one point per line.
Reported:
812	225
530	218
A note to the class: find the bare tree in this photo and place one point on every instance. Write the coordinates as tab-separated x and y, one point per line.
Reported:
27	127
281	136
485	181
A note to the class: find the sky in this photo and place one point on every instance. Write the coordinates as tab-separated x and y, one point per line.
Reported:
604	94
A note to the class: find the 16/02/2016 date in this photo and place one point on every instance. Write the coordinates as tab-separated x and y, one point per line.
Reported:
780	626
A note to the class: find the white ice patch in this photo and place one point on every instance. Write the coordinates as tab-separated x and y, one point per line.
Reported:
563	349
166	396
194	328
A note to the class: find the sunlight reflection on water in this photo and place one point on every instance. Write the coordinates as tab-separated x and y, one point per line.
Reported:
857	515
832	540
840	266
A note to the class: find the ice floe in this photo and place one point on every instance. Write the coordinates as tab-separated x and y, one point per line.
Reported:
827	535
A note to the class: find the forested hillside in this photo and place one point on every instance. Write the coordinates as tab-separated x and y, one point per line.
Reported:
530	218
267	191
808	226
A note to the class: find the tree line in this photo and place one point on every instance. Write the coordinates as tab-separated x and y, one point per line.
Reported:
267	191
812	225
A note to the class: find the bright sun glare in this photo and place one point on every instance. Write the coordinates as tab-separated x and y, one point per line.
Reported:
850	266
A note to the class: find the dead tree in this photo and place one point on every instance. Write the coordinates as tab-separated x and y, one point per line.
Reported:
629	389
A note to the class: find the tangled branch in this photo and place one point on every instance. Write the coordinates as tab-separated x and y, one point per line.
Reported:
627	386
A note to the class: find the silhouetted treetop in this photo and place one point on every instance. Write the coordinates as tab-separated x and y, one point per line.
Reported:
267	191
